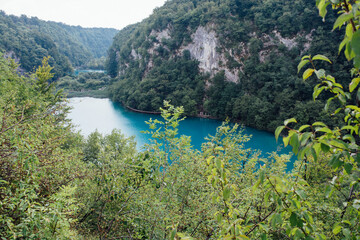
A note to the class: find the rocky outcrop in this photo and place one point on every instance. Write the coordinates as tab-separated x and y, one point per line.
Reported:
205	47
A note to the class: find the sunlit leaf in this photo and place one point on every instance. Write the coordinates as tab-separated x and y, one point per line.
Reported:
342	44
278	131
322	8
291	120
305	57
324	129
319	124
342	19
302	64
294	142
337	229
308	73
321	57
354	83
303	127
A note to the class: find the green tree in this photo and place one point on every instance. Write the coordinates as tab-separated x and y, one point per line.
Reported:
339	144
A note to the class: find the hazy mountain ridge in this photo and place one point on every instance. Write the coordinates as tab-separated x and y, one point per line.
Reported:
246	54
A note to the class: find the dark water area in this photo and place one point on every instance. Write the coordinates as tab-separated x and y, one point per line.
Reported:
90	114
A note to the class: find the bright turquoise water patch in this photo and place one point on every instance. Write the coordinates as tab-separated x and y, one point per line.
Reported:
90	114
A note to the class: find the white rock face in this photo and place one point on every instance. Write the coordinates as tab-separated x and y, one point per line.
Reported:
288	42
203	49
160	35
135	55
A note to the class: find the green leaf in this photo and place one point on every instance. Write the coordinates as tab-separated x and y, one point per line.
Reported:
346	233
226	193
342	44
319	124
322	8
308	73
334	161
320	73
338	144
354	83
348	167
302	64
324	129
264	227
262	175
276	219
301	193
173	234
218	163
326	108
325	148
278	131
349	31
355	43
357	158
321	57
294	142
305	57
303	127
327	191
286	140
342	19
337	229
317	91
357	61
296	221
304	137
356	204
314	153
291	120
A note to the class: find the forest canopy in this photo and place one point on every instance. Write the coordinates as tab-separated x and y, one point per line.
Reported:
29	40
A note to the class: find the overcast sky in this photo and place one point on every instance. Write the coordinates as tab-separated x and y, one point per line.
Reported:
86	13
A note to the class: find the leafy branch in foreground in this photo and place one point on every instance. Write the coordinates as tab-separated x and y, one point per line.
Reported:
340	145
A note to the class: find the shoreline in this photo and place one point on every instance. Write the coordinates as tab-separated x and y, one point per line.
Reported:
140	111
159	113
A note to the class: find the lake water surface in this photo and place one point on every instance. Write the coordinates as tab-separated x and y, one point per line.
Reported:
90	114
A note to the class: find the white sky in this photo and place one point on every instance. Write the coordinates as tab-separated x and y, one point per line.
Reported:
86	13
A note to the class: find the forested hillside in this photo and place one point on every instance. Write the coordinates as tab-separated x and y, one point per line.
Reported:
225	58
31	39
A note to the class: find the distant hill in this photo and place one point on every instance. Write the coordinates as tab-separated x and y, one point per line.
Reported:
30	39
225	58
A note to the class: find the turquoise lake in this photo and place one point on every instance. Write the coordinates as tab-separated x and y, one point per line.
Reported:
89	114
